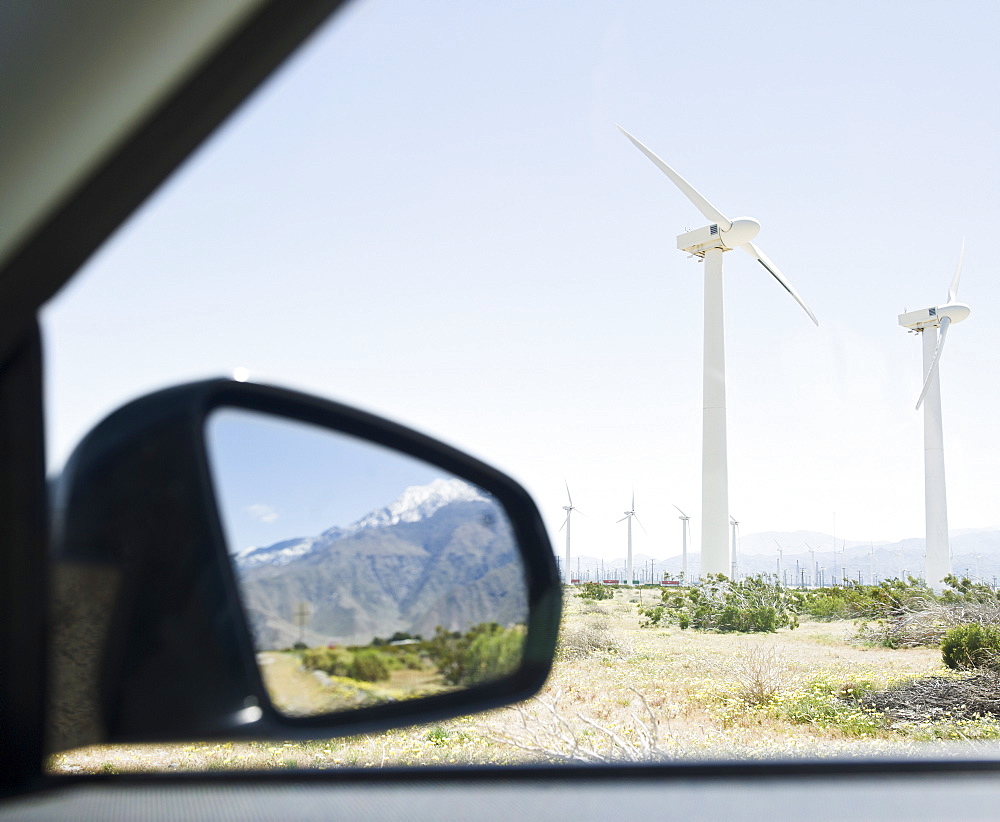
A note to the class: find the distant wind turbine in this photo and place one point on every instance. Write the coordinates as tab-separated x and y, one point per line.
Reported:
628	516
736	562
709	244
932	325
569	509
781	552
685	528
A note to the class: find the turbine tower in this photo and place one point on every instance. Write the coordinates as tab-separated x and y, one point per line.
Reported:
569	509
685	527
628	516
932	324
709	244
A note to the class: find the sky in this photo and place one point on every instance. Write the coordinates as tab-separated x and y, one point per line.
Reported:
276	479
430	214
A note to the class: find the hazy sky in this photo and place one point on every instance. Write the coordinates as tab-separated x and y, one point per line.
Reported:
430	214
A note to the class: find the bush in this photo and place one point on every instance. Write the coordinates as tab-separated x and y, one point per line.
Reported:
486	651
333	661
761	674
492	654
595	590
596	637
970	646
758	603
368	666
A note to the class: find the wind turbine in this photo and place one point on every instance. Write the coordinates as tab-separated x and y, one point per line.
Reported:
709	244
781	552
736	565
932	325
685	527
569	509
628	516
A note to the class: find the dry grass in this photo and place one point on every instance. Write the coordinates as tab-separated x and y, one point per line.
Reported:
621	692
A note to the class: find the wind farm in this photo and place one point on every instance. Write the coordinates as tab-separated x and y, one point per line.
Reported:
720	551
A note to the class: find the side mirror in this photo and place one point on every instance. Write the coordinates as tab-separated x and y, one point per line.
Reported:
236	560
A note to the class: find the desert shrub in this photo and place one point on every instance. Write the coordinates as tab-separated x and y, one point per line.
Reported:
651	616
965	591
493	652
911	615
486	651
368	666
755	604
332	661
593	608
970	646
595	637
761	674
595	590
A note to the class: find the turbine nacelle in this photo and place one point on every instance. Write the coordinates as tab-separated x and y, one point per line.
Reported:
932	317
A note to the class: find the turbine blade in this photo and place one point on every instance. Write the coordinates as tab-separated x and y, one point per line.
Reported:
703	205
633	501
643	527
682	513
568	494
953	288
945	323
564	522
622	519
772	269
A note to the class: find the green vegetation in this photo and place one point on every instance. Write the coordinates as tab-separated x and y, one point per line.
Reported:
373	663
970	646
757	603
487	651
866	602
596	591
368	666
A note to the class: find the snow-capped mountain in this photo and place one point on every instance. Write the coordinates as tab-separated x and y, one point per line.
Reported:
442	554
420	502
416	503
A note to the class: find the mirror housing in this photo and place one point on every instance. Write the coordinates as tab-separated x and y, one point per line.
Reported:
148	625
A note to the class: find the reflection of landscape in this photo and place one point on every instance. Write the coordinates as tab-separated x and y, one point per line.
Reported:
308	681
422	595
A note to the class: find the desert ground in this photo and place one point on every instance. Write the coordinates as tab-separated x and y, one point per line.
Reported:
622	692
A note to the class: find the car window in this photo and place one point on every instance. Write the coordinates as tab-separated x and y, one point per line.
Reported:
429	213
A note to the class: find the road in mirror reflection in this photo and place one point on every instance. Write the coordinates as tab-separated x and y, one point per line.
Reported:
366	575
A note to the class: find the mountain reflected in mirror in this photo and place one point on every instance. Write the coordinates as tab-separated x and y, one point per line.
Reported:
412	586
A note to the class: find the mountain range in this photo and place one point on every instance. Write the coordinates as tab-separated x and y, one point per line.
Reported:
975	554
441	554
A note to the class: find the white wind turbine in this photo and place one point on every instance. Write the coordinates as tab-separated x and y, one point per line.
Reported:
569	509
685	529
628	516
709	244
932	324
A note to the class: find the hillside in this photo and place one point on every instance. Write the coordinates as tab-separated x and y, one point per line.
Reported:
433	557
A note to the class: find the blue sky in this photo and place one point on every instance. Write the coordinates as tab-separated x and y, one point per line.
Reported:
276	479
430	214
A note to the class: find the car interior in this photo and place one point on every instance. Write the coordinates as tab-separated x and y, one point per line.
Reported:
133	610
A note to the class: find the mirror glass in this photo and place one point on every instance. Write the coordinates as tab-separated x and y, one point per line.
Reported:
366	575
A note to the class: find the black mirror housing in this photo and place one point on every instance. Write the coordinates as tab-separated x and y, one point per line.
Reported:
168	651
